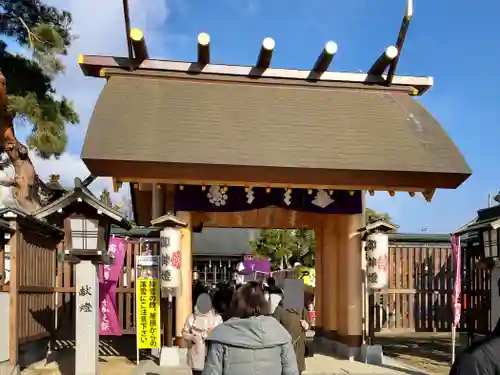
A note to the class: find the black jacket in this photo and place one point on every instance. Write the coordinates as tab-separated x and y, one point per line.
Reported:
482	357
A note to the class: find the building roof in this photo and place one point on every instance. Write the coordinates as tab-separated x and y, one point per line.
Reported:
486	219
380	225
186	125
81	193
11	214
420	238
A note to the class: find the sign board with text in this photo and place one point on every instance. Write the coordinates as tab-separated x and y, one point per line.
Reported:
148	302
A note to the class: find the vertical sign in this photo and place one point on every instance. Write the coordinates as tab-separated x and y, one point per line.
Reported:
148	302
170	251
377	260
85	301
109	324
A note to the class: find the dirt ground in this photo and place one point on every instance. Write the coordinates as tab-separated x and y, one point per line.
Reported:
430	352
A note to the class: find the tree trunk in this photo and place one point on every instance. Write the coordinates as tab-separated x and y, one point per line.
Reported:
28	191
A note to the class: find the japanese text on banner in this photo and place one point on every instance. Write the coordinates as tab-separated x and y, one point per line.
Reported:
148	314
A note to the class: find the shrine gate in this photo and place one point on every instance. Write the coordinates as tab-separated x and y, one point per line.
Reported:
261	147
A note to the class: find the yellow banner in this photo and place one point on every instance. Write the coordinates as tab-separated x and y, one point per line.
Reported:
148	314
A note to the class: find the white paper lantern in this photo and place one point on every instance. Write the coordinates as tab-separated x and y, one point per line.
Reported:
377	261
170	252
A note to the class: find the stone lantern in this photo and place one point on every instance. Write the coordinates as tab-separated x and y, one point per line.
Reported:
87	222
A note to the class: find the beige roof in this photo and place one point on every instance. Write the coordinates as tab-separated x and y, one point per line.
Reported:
211	122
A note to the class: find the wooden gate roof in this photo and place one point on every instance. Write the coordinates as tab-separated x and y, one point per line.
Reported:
176	125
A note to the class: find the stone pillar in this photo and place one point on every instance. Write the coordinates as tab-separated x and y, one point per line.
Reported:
350	275
87	319
184	299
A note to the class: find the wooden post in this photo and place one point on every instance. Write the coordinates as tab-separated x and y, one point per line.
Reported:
320	278
330	307
14	304
385	59
167	304
354	296
364	289
266	53
139	46
157	205
325	58
203	49
371	318
168	326
184	298
401	39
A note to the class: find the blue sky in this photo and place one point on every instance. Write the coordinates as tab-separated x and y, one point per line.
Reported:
455	42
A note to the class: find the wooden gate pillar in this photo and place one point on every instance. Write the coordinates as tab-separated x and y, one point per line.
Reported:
330	286
318	289
184	298
350	275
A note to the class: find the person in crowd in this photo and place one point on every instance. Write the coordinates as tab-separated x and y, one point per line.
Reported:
196	329
199	288
296	322
272	288
482	357
222	300
251	342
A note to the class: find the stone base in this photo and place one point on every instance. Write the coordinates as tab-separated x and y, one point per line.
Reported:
371	354
173	356
6	369
149	367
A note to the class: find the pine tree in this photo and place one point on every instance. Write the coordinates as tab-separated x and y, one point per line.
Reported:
27	96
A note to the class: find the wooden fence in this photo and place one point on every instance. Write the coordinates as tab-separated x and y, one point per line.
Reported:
210	271
125	291
421	287
28	275
418	298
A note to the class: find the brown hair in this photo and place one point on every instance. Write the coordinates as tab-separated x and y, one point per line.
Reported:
249	300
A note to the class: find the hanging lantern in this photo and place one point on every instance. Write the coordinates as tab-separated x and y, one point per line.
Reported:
377	260
170	251
203	187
